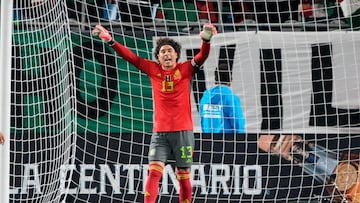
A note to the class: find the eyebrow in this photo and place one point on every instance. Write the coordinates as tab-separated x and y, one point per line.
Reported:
170	48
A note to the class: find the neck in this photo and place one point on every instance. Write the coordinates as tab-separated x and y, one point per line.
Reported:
168	67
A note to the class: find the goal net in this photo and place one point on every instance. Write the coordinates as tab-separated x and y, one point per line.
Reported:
82	116
43	117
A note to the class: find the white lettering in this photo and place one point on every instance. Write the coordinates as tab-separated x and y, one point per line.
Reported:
145	175
84	179
210	179
105	171
198	179
31	181
246	183
131	176
64	169
220	174
169	172
236	180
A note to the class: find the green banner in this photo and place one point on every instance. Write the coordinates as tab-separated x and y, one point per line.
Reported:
112	96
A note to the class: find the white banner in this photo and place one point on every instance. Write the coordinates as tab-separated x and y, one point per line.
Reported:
296	74
349	7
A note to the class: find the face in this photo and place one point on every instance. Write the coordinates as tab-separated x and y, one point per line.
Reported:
167	57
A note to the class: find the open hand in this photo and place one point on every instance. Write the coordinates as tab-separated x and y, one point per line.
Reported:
102	33
208	31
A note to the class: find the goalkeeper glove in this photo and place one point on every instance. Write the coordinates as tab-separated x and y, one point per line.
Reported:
103	34
208	31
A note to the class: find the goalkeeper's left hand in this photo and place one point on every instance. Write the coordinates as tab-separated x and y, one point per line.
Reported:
208	31
102	33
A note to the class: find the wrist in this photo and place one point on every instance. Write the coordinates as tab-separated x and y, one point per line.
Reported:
206	40
111	42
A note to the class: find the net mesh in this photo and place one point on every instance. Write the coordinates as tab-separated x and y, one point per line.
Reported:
42	102
82	116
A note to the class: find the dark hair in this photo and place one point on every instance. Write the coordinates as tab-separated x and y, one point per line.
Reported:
167	41
223	74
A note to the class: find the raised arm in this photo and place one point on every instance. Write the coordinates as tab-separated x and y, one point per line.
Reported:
120	49
206	34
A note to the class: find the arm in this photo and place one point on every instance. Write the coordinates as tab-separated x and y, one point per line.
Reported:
126	53
206	35
203	54
120	49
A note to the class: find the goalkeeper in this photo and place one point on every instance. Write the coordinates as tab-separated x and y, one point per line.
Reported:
173	128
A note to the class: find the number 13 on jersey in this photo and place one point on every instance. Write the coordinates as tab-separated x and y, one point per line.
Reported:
167	86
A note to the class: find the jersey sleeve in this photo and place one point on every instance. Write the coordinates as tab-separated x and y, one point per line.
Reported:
142	64
203	54
127	54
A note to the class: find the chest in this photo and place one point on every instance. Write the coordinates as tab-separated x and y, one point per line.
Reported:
170	81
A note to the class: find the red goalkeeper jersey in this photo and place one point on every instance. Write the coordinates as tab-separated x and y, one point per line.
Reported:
171	88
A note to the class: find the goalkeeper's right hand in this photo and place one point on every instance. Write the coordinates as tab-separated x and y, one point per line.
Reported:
102	33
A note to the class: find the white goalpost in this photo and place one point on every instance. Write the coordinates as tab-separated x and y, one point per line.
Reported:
81	116
5	58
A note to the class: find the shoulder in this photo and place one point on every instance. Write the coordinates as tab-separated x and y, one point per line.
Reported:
185	64
186	67
229	93
149	66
